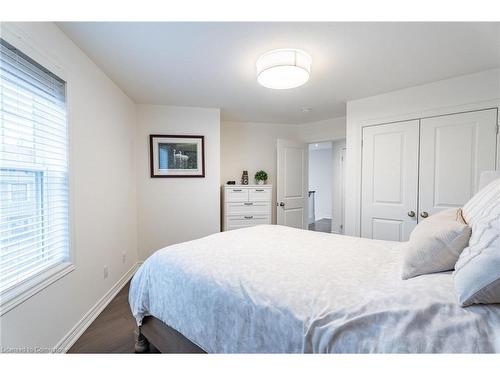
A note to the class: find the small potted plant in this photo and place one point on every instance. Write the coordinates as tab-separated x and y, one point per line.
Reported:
261	177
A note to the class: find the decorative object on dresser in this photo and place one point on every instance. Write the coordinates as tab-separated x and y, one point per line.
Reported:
261	177
244	178
247	205
177	155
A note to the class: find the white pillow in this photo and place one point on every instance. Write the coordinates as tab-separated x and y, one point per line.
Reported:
435	244
477	272
482	201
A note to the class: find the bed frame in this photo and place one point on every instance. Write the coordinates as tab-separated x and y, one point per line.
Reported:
153	333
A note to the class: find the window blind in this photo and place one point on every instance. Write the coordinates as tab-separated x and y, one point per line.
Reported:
34	201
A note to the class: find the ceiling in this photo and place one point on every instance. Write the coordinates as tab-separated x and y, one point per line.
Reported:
213	64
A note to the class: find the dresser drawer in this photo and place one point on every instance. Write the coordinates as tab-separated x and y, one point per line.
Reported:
246	208
241	221
247	205
259	194
236	195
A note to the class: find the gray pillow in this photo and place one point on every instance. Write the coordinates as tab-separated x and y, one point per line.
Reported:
477	272
435	244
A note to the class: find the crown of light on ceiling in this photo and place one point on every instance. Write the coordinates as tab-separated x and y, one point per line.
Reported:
283	68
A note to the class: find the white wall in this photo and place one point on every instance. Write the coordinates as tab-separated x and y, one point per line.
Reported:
320	180
337	188
172	210
469	92
101	120
320	131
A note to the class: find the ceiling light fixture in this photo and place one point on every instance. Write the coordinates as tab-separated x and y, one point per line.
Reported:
283	68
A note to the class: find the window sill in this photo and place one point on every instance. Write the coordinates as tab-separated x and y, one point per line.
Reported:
33	286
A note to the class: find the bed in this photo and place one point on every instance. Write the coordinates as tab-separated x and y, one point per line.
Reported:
275	289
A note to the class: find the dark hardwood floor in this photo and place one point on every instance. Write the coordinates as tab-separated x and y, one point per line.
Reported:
112	331
322	225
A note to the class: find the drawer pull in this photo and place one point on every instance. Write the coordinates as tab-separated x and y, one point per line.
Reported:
259	189
248	204
237	190
248	217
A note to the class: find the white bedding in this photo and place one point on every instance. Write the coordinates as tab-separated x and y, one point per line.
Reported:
275	289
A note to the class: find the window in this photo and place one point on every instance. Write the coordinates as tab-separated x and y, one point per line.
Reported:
34	206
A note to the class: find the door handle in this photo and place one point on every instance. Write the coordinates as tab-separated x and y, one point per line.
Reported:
411	214
424	214
282	204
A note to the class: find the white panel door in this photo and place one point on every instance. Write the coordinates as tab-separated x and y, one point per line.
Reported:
454	149
390	180
291	188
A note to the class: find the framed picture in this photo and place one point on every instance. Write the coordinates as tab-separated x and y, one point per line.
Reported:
177	155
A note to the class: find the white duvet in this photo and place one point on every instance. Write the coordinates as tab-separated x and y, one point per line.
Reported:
274	289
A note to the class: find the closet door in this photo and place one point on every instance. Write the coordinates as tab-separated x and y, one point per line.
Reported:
454	149
390	179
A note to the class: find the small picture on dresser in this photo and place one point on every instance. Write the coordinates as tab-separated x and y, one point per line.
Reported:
177	155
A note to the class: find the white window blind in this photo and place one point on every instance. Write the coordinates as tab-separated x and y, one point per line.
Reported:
34	202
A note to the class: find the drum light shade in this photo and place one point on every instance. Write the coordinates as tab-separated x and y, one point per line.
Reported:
283	68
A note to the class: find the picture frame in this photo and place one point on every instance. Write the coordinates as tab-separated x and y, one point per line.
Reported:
177	156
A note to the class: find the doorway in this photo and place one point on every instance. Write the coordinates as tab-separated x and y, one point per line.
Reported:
326	186
320	186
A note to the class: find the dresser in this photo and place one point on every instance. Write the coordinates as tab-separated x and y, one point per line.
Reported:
246	205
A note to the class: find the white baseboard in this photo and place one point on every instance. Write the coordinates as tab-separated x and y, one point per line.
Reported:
74	334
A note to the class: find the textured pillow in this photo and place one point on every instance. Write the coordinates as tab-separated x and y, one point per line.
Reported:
477	272
435	244
474	209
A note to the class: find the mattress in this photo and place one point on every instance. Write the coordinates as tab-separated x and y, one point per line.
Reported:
275	289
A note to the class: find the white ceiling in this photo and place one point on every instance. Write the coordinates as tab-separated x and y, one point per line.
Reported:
213	64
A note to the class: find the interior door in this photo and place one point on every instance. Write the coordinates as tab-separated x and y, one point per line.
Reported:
454	149
389	180
291	187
